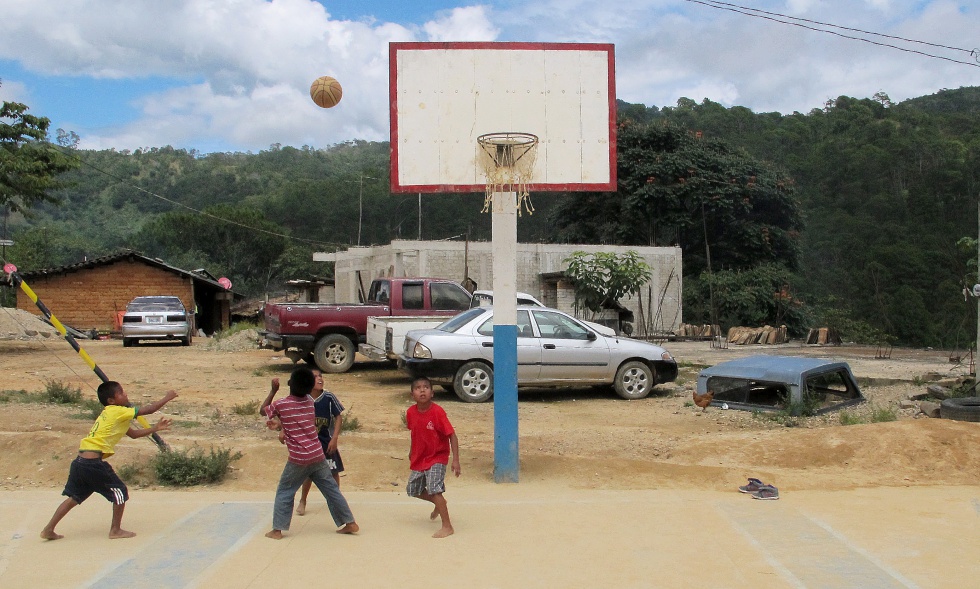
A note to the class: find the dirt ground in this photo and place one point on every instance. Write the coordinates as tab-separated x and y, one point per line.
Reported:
569	439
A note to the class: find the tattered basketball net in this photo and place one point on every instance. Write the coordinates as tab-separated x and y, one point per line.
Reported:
508	161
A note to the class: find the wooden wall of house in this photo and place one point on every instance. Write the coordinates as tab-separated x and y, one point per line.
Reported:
90	298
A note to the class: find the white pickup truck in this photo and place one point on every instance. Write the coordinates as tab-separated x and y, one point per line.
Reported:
386	335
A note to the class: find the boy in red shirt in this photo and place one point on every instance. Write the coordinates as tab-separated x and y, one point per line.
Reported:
90	473
432	439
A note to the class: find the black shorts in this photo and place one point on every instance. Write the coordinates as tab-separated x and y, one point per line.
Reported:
94	475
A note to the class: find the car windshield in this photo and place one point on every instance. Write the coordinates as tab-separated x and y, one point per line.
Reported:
155	304
453	325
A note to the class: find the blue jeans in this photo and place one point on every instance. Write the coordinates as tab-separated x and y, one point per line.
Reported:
292	479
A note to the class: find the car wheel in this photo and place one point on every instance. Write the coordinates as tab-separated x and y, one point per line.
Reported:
334	353
186	341
961	409
474	382
634	380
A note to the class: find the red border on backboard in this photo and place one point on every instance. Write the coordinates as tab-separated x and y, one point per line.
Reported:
393	48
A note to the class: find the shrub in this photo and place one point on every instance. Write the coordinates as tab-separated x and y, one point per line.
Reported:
350	423
192	467
848	418
250	408
61	393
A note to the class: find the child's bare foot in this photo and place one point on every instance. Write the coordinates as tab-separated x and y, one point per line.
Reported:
434	514
120	533
350	528
301	508
443	532
274	534
50	535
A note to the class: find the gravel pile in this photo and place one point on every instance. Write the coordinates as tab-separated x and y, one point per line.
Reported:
16	324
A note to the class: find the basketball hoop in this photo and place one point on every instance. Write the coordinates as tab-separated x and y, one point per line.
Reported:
508	161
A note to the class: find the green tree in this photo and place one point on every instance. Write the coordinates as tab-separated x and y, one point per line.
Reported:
604	277
29	165
721	206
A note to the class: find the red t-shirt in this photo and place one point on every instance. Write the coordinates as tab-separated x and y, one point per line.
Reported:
299	424
430	437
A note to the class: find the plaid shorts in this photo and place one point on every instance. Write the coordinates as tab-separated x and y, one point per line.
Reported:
432	480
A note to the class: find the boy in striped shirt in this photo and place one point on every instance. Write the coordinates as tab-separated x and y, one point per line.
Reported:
296	415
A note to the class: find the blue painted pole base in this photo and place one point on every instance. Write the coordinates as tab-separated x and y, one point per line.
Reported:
506	464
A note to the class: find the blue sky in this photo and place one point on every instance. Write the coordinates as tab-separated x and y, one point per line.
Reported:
233	75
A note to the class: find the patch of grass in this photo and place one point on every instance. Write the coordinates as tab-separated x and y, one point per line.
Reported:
965	389
848	418
90	409
7	396
689	403
250	408
192	467
235	328
882	414
350	423
60	393
186	423
135	473
918	381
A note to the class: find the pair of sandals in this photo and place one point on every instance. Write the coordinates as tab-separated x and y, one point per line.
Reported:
760	490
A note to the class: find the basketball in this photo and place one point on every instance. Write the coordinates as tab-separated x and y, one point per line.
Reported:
326	92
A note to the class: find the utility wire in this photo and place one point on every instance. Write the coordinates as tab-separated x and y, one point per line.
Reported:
756	13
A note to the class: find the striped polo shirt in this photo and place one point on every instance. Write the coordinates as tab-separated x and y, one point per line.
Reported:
299	424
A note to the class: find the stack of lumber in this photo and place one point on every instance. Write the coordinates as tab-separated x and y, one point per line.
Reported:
697	331
823	336
758	335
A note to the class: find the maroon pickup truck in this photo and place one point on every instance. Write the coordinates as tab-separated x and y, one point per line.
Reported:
328	335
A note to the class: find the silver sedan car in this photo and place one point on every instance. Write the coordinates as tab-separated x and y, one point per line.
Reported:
553	349
156	318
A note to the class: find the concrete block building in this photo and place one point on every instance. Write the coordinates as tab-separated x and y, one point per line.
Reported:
540	272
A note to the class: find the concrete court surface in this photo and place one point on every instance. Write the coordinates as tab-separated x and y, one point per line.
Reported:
521	535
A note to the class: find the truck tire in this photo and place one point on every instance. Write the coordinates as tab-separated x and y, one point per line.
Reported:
961	408
474	382
334	353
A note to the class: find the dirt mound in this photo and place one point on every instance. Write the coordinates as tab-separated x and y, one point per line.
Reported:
247	339
16	324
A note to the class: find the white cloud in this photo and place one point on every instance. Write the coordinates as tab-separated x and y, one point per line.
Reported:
238	71
462	24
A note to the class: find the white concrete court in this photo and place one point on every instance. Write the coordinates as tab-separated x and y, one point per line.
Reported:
507	536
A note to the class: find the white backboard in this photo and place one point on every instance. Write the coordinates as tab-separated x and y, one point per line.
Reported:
445	95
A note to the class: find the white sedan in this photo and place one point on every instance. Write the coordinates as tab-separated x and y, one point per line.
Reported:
553	349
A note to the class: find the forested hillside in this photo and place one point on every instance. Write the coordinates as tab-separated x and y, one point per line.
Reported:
848	215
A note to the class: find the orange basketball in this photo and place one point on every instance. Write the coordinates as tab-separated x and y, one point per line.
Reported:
326	92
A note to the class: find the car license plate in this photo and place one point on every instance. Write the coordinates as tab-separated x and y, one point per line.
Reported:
154	319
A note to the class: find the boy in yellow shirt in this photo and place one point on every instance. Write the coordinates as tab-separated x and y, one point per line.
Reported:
90	473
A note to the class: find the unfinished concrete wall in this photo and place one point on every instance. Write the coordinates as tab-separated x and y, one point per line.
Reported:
657	308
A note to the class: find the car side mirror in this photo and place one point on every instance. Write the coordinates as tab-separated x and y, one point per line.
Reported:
591	337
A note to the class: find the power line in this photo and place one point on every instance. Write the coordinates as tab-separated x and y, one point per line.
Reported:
772	16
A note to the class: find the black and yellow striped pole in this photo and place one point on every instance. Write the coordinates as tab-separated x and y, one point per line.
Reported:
19	282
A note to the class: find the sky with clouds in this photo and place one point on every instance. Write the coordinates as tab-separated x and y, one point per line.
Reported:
234	75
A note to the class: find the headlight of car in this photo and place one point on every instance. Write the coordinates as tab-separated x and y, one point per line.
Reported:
421	351
666	356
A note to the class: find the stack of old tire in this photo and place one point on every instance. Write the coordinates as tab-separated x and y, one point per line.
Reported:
961	408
